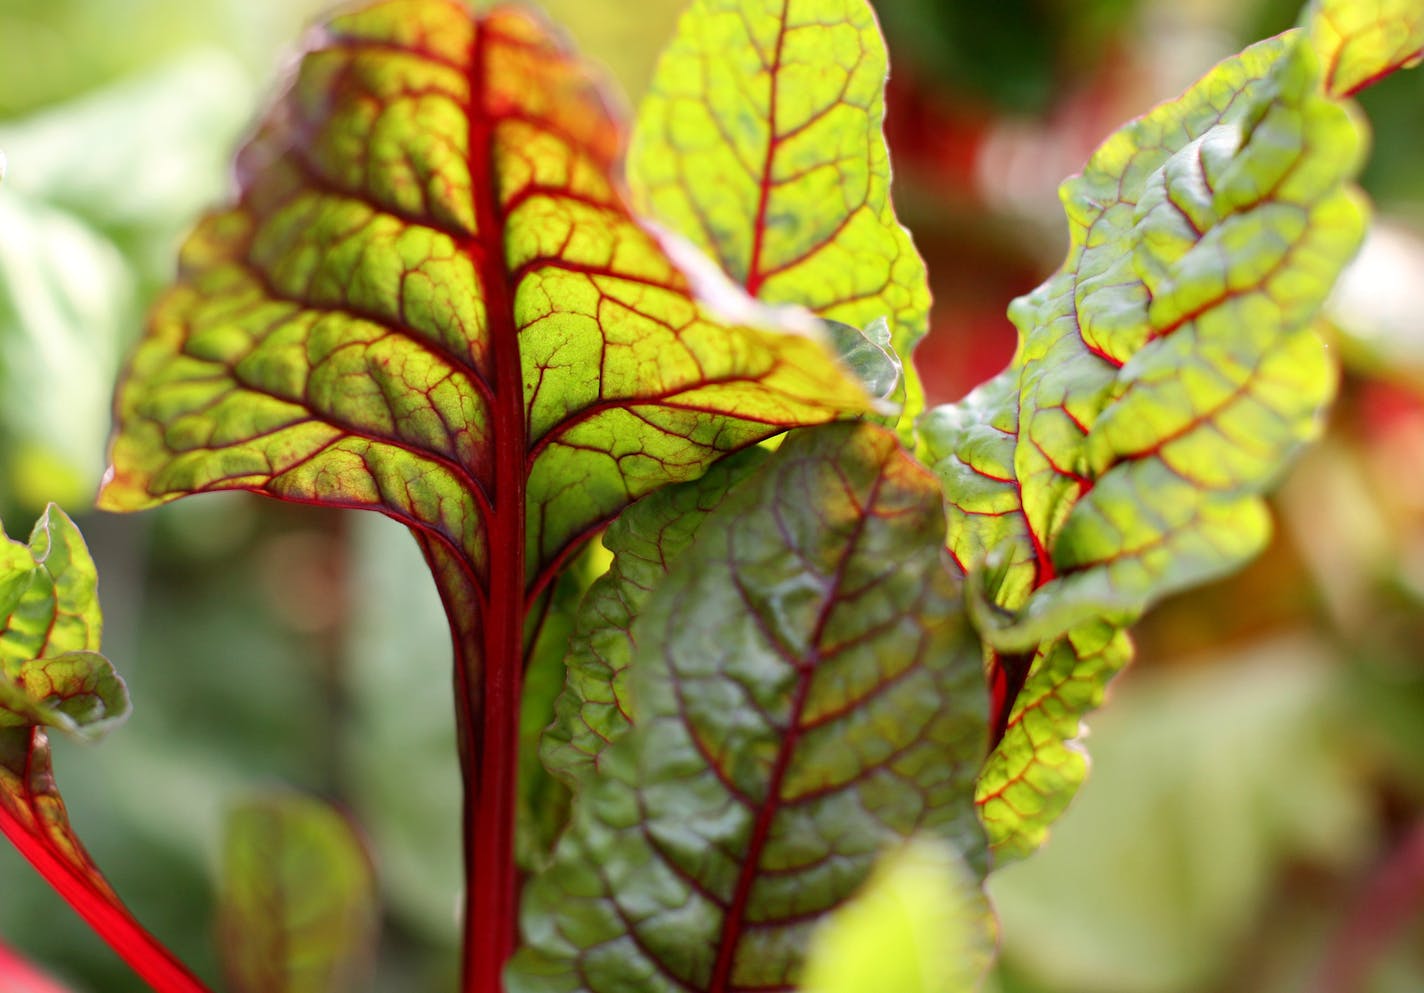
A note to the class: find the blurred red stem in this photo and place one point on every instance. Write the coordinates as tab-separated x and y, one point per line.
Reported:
154	963
1393	894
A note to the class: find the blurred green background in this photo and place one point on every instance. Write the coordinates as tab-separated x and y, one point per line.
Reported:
1257	775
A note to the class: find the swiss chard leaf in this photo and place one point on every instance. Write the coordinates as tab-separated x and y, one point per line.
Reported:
1362	41
298	911
594	708
1163	379
52	675
761	141
430	300
806	691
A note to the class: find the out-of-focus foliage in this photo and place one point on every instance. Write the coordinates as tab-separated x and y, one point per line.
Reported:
207	600
917	926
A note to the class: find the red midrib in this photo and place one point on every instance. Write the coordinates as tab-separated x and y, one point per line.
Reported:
735	917
754	274
490	710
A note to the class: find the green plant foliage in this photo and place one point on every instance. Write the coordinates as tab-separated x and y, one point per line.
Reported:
805	690
1361	41
760	141
432	296
1164	377
298	911
920	925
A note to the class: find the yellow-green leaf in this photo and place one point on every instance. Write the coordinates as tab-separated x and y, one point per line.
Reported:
1163	380
1362	41
761	142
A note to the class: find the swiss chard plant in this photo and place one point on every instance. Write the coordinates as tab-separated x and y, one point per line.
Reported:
452	290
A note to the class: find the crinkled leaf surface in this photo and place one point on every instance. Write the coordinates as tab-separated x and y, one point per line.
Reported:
1163	379
298	910
594	707
761	141
806	691
1362	41
430	300
921	924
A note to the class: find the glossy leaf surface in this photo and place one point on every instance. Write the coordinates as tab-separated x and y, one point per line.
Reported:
806	690
1362	41
761	141
595	706
1164	378
298	911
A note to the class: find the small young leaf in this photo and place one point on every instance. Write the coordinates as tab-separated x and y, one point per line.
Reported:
1164	378
51	674
1362	41
807	691
920	925
761	141
298	911
79	692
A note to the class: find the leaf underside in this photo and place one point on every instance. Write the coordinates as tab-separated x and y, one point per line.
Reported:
430	298
1163	380
806	690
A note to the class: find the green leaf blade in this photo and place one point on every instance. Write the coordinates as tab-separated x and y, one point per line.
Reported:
761	141
775	694
1362	41
1164	379
429	264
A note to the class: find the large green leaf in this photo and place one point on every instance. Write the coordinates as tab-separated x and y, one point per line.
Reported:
805	691
298	910
429	300
1163	379
761	141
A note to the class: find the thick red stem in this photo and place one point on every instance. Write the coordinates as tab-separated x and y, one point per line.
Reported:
154	963
493	682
